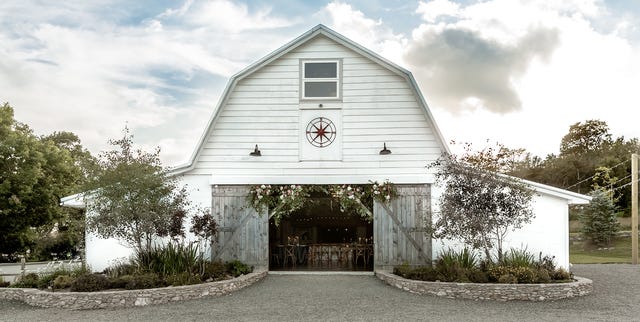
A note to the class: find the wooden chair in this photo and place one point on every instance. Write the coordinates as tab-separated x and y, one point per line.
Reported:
275	255
312	255
325	253
345	254
359	251
368	254
289	255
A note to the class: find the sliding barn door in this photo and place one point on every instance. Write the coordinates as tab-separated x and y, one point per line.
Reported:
400	229
243	233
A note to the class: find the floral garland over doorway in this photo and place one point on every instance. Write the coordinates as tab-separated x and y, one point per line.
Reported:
282	200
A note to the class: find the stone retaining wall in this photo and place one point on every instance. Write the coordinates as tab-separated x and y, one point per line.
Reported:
127	298
487	291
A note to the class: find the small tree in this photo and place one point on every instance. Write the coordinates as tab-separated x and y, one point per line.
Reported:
479	207
599	222
205	227
132	197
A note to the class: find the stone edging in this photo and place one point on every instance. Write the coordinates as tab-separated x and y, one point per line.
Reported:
488	291
128	298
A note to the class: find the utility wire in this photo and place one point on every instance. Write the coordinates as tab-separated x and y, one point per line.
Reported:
627	177
589	178
623	186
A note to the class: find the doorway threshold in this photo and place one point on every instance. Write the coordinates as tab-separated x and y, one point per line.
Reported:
353	273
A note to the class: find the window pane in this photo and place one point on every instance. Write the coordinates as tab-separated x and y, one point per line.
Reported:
321	89
320	70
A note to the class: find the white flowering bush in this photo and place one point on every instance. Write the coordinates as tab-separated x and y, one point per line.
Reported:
352	198
283	200
384	192
262	197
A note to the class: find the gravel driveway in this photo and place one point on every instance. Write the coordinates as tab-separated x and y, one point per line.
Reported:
616	297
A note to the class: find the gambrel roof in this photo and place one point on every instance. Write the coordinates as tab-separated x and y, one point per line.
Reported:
302	39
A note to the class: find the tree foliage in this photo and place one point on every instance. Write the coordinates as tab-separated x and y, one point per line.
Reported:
132	198
599	222
589	155
479	207
35	173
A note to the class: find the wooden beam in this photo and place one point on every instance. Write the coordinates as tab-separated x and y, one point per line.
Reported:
634	209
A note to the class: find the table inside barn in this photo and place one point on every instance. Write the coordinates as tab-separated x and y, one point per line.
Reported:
342	254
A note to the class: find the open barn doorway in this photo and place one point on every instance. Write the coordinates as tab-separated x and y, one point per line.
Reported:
321	237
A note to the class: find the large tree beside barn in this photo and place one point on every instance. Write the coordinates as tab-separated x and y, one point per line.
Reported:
132	198
480	206
35	172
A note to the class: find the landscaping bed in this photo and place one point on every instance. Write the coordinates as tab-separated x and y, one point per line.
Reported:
158	274
491	291
127	298
515	275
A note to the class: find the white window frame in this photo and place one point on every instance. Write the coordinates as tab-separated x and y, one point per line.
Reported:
337	79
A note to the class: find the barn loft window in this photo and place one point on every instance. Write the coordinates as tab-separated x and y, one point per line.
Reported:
320	79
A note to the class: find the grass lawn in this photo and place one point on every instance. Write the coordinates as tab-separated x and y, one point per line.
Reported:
619	252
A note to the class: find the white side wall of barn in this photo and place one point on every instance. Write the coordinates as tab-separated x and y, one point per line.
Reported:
548	232
103	252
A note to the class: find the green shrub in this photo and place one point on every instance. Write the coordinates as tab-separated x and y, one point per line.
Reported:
477	276
518	258
184	278
47	280
120	281
457	266
561	274
120	269
465	258
27	281
423	273
214	271
148	280
543	276
237	268
62	281
168	259
3	283
90	283
402	270
516	266
451	272
507	279
547	263
526	275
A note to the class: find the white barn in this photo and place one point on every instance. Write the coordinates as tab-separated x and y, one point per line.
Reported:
362	104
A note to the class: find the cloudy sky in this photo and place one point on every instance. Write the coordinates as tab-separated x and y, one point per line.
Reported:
512	71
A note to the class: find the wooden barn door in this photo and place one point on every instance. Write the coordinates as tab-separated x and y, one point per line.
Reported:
400	230
243	233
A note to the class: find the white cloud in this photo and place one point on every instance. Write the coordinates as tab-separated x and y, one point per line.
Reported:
230	16
370	33
586	74
432	10
77	67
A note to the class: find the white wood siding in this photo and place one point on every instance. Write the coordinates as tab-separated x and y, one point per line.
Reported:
378	106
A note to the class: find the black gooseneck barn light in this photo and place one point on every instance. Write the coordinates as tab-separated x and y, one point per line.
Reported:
256	152
385	151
